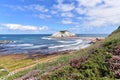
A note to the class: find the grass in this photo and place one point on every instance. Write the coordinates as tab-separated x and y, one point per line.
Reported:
3	71
11	63
96	67
63	59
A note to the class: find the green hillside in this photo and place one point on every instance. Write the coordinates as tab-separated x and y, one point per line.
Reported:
100	61
98	64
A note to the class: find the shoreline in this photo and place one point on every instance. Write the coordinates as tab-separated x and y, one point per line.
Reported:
93	40
37	55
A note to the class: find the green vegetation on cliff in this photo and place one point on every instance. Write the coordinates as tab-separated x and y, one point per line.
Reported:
96	67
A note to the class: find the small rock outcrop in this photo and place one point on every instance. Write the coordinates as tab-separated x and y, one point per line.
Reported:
63	34
4	41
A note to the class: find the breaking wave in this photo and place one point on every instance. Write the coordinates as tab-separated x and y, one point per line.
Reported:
13	45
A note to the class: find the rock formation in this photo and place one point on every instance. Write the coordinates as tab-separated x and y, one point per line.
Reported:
63	34
4	41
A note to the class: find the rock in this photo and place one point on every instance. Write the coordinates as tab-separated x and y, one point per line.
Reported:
63	34
92	42
98	39
4	41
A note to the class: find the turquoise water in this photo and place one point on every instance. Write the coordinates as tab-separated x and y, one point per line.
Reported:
40	43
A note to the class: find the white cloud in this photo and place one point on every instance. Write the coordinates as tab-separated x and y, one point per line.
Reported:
36	7
24	27
33	7
80	11
63	7
43	16
89	3
43	28
67	14
104	16
21	8
54	12
75	28
92	13
67	21
60	1
112	3
99	13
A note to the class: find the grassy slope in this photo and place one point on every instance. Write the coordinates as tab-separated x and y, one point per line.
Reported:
63	59
13	62
18	62
95	68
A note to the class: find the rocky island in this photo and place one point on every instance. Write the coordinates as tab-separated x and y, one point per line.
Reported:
63	34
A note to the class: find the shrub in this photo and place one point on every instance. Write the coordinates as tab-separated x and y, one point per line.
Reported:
77	63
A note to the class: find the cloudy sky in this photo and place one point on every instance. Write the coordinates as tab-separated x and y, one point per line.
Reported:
49	16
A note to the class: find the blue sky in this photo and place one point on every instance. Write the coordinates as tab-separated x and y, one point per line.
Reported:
49	16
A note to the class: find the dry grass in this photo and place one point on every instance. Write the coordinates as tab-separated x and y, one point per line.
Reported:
20	61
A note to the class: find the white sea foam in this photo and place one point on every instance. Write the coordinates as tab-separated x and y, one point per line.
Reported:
79	40
66	41
75	47
57	46
46	38
3	37
13	41
77	43
67	45
33	47
87	45
12	45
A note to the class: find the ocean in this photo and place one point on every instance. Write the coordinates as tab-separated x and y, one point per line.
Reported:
41	43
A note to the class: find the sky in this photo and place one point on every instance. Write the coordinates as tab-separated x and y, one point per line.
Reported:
49	16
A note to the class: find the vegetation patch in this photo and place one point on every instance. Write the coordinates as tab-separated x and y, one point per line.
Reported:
3	71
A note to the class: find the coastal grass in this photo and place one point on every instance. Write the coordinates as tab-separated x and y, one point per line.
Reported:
95	67
62	59
10	63
13	63
3	71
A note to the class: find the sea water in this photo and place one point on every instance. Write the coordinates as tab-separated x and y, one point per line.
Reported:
41	43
